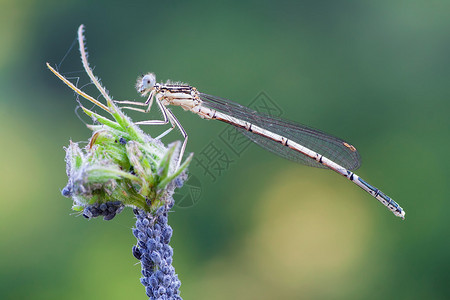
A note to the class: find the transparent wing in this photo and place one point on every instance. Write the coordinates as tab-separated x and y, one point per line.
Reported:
333	148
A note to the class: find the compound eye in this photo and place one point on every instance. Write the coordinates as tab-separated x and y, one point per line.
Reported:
148	81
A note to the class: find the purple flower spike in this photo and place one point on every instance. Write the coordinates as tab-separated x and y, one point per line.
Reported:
153	234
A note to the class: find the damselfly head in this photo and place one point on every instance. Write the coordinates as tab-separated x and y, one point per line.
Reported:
145	83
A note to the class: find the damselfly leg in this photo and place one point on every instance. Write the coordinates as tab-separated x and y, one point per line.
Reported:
168	117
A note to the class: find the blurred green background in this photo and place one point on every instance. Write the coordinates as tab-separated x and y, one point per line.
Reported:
375	73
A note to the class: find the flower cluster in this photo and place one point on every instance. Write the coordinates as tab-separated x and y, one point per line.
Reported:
153	235
121	166
108	210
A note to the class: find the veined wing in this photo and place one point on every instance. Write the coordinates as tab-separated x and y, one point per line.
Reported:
333	148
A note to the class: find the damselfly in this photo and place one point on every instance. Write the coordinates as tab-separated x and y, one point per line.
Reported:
293	141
